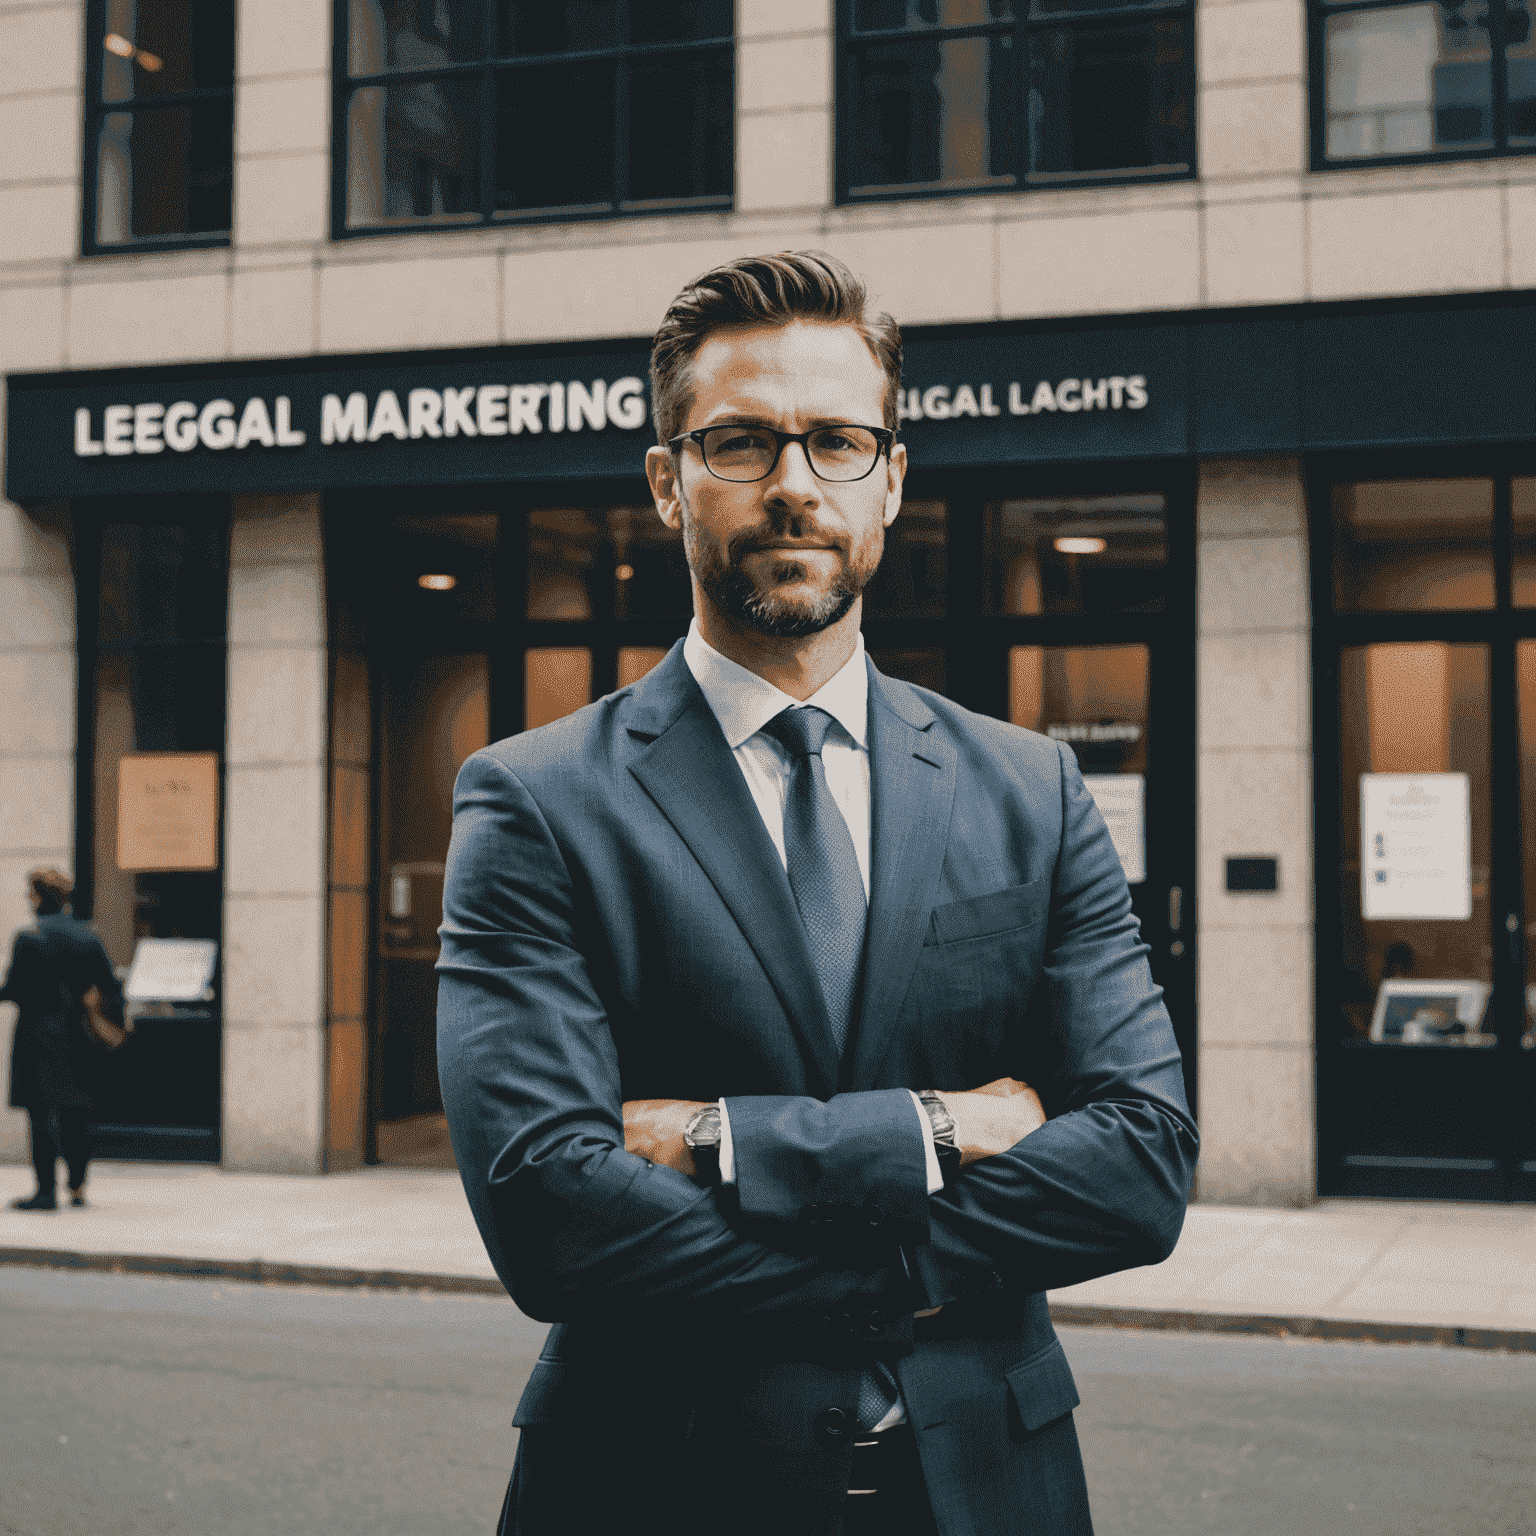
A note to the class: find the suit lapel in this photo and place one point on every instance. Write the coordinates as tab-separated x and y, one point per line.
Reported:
688	770
912	787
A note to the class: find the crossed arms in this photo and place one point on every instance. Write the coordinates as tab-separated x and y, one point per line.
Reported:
579	1225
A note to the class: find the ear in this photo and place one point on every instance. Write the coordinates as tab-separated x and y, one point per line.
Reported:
661	469
895	475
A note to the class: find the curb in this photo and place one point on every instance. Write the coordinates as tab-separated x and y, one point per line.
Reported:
254	1271
1263	1325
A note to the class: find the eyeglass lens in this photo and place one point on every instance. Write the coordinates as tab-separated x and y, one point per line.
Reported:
748	453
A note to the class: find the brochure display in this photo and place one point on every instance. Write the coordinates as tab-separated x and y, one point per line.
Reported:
1416	846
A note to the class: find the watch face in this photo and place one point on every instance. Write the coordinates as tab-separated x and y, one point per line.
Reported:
704	1129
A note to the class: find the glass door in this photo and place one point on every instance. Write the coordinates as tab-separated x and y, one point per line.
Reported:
1426	1050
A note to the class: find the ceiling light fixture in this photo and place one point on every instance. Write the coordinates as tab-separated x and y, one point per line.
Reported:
1079	546
623	573
438	583
114	43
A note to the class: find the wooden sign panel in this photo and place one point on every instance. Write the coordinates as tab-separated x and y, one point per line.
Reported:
168	811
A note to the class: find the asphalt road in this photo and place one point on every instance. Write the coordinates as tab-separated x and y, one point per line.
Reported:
131	1406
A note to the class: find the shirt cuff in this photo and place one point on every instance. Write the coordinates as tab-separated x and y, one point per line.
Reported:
727	1151
930	1152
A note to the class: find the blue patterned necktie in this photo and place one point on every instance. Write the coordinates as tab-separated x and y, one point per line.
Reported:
823	867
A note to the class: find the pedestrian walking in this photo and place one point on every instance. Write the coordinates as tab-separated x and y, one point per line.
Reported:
745	972
55	965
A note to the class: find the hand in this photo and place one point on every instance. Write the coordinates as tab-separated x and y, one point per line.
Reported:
992	1119
653	1128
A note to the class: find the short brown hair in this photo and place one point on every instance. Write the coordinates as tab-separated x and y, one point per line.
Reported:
52	888
763	290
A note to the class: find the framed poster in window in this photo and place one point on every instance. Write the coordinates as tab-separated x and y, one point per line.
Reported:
168	811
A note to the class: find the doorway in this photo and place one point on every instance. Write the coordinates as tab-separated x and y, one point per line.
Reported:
1427	662
1068	610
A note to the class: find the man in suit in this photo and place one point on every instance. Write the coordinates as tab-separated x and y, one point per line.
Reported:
745	969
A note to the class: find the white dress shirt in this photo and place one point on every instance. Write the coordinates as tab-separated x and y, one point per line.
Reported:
743	703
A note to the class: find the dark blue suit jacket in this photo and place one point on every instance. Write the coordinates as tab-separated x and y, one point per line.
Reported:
618	925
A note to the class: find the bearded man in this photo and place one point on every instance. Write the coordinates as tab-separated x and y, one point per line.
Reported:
745	972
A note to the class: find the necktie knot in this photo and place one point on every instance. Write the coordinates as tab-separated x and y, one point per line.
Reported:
801	731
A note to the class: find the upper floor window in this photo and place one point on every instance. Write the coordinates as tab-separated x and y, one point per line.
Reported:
159	122
942	96
1422	82
455	112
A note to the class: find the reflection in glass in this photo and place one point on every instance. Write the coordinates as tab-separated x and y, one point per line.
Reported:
164	172
680	128
1110	99
1413	544
1523	506
557	682
555	26
577	557
166	47
912	576
554	138
934	114
1413	709
406	34
1092	697
1409	80
1520	62
163	582
1525	685
413	153
1077	554
886	15
459	546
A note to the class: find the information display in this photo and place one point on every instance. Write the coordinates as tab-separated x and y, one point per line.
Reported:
171	970
168	811
1416	846
1121	798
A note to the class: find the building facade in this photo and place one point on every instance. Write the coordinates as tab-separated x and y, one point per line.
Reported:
324	329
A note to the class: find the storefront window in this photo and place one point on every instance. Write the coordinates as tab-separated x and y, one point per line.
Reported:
1413	544
622	562
1077	554
1523	507
913	576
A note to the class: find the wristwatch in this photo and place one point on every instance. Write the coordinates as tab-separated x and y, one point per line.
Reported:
702	1137
942	1124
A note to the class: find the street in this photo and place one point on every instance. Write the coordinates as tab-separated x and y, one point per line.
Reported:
131	1406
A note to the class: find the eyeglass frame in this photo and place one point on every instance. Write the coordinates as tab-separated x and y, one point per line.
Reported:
885	440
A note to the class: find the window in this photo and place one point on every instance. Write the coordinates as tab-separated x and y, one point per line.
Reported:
940	96
159	123
1422	82
456	112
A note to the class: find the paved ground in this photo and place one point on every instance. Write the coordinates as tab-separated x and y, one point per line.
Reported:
136	1406
1342	1262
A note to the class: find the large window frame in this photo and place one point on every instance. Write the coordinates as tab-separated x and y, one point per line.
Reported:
483	72
1318	13
1030	18
1424	1086
97	109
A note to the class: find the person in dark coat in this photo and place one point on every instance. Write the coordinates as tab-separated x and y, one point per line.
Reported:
53	965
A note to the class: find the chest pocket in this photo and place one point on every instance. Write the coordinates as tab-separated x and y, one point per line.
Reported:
982	917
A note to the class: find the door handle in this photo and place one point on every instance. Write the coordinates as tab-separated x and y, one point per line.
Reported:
1175	908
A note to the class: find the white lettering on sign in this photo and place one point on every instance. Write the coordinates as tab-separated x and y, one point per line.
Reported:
469	410
944	402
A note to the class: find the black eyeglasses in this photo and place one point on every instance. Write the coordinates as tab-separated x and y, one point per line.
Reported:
743	454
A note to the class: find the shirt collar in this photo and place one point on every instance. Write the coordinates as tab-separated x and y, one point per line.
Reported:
744	703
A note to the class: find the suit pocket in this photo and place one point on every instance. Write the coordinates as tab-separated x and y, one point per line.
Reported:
1042	1387
979	917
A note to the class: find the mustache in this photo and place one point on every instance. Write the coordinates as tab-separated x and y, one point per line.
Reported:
751	541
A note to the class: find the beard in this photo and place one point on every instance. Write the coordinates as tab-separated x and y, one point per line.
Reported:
766	604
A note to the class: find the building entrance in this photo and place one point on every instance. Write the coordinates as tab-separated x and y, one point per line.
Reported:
1066	610
1427	1046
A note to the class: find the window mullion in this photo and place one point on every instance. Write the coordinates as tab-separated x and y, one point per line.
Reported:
621	176
1498	35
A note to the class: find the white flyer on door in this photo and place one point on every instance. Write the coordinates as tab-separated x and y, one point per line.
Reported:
1121	798
1416	845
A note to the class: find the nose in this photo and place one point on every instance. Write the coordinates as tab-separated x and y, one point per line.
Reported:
791	480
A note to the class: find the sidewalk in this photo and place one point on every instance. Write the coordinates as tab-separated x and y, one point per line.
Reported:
1453	1274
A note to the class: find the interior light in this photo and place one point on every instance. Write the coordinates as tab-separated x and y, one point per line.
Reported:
623	573
114	42
1081	546
438	583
